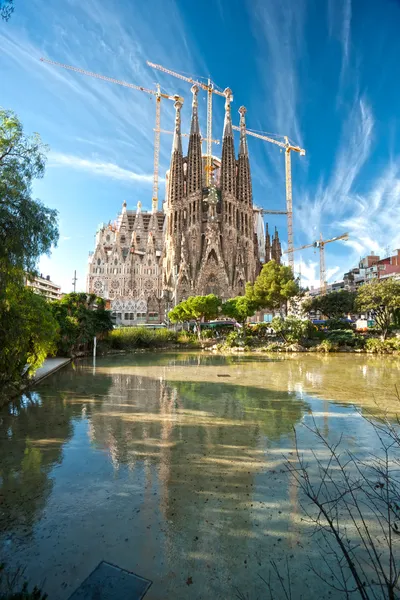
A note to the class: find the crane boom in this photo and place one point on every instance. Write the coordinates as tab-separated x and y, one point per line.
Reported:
210	89
320	244
285	145
158	95
187	135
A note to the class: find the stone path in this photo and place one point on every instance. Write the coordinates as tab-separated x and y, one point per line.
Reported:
50	365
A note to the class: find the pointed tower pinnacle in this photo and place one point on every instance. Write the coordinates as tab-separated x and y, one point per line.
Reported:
276	250
194	128
194	161
244	192
243	151
228	116
175	183
177	141
267	244
228	162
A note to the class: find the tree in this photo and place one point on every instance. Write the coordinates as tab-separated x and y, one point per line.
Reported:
196	308
381	299
290	329
27	228
6	9
274	286
334	305
239	308
80	317
28	332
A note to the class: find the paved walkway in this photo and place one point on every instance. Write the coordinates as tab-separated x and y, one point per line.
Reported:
50	365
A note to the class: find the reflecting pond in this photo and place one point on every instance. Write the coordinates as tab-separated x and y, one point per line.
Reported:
172	466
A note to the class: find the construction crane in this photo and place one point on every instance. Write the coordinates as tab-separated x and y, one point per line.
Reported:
158	95
187	135
288	176
210	89
321	245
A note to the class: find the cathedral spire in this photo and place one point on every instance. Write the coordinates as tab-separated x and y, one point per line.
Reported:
228	117
175	182
194	162
228	162
194	127
267	244
243	151
276	249
177	142
244	192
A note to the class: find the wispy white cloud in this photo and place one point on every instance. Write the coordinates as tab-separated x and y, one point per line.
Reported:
279	27
332	199
96	167
373	223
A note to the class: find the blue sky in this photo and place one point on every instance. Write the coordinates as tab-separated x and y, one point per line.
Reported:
323	72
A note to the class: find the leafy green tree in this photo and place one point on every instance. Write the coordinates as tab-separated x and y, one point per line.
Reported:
274	287
80	317
196	308
381	299
291	329
28	331
239	308
6	9
334	305
27	228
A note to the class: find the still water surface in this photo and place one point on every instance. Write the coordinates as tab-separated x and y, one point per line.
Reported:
172	466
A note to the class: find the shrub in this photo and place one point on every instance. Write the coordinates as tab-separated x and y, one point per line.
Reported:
187	337
378	346
327	346
130	338
335	324
343	337
291	329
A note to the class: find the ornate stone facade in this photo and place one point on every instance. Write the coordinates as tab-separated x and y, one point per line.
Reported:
208	239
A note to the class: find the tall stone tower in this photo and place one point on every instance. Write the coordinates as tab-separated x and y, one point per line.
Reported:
209	231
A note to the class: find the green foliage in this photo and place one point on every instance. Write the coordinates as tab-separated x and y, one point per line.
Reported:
274	286
27	334
387	346
6	9
132	338
291	329
333	305
327	346
80	317
382	299
196	308
236	339
346	338
335	324
27	228
239	308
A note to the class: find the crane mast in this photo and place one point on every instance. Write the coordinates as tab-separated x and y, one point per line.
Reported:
158	96
288	148
210	89
320	244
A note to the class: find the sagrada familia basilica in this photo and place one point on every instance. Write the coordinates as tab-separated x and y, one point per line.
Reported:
207	239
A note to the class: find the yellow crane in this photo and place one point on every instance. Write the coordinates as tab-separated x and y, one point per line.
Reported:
210	89
158	95
321	245
287	146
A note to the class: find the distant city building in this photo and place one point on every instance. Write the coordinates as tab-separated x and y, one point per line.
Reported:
207	239
45	287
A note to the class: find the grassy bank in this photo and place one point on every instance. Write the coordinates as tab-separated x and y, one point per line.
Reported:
135	338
